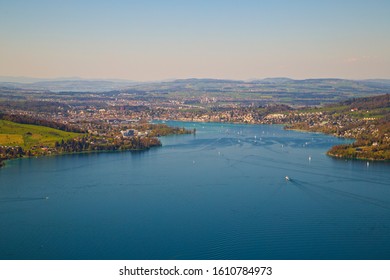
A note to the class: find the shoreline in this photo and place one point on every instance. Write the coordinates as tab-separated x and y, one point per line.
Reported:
337	156
328	153
57	150
285	127
4	161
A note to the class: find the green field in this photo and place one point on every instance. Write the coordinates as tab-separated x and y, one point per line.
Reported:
27	135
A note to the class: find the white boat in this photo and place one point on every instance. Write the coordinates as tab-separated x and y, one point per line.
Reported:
287	178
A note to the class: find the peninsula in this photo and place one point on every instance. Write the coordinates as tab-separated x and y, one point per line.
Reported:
367	120
18	139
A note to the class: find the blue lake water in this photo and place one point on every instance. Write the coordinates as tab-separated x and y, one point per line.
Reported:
221	194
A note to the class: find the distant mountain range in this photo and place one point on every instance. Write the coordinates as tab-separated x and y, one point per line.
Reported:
276	90
64	84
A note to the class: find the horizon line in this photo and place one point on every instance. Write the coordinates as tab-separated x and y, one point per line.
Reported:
3	79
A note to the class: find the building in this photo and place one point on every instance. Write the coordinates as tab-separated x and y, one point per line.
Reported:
129	133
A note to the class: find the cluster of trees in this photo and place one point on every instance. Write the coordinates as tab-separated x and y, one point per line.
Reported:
366	103
92	143
27	119
32	105
355	151
10	153
157	130
138	143
72	145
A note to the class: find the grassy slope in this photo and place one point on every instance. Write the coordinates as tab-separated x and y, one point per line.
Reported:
26	135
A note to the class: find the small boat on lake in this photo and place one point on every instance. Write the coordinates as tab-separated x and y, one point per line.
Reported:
287	178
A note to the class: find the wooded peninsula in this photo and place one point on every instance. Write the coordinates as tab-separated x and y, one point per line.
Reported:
19	140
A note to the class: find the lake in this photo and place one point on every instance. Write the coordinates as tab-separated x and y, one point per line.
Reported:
219	194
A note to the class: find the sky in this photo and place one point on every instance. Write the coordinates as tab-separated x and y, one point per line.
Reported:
158	40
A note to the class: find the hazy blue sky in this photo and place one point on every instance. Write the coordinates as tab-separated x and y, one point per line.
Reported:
153	40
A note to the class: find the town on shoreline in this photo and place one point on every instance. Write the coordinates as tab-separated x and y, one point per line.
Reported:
97	124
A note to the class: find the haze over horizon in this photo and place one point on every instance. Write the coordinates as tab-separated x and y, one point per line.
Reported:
160	40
